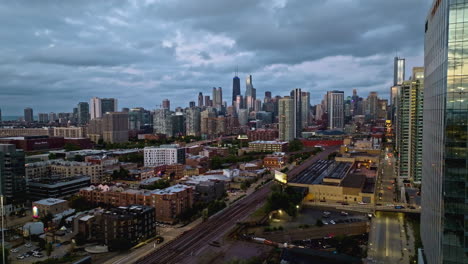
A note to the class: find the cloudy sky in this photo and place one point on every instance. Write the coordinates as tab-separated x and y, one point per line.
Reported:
54	54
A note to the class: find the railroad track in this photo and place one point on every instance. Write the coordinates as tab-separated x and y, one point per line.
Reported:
192	241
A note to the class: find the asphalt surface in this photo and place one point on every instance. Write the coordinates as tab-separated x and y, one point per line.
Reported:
386	182
387	239
189	246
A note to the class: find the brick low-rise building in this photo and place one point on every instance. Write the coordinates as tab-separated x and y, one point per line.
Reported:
169	202
268	146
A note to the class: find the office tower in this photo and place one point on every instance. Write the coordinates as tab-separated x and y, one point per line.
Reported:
398	71
83	113
193	121
162	123
208	122
250	93
318	112
258	105
192	104
286	118
52	117
200	100
217	98
266	117
109	105
243	116
239	103
125	109
28	115
115	127
166	104
335	105
208	102
372	105
235	88
12	173
267	97
296	95
43	118
444	225
305	108
95	108
136	118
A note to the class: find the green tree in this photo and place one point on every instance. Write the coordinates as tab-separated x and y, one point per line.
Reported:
52	156
71	147
161	184
79	203
295	145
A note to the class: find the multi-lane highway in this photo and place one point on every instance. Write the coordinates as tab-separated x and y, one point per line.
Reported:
188	245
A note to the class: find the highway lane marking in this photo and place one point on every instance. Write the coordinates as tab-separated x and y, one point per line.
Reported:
386	236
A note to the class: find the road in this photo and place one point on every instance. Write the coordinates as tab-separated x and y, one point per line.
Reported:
387	239
385	183
187	247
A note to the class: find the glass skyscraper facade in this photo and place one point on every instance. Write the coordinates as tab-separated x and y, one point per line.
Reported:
444	216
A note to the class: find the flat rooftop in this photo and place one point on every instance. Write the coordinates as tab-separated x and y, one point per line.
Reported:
49	201
313	174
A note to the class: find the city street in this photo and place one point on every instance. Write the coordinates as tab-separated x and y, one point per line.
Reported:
387	239
386	181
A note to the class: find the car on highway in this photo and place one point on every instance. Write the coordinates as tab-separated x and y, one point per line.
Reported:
362	202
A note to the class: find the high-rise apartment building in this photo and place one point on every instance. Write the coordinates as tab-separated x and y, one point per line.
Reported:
416	124
12	173
193	120
83	113
335	109
398	71
372	105
95	108
305	109
286	119
403	131
43	118
166	104
115	127
444	214
28	115
296	95
52	117
236	90
162	123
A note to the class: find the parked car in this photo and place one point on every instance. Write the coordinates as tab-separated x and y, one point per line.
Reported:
343	213
332	222
28	245
362	202
14	250
20	257
324	222
399	207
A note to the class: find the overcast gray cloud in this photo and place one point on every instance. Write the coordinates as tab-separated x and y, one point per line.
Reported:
54	54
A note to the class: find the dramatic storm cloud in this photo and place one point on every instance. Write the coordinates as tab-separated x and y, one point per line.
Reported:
54	54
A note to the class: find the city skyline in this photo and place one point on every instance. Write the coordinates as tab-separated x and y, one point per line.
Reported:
58	57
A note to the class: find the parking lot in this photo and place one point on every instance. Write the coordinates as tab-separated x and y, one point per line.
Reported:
309	216
26	252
